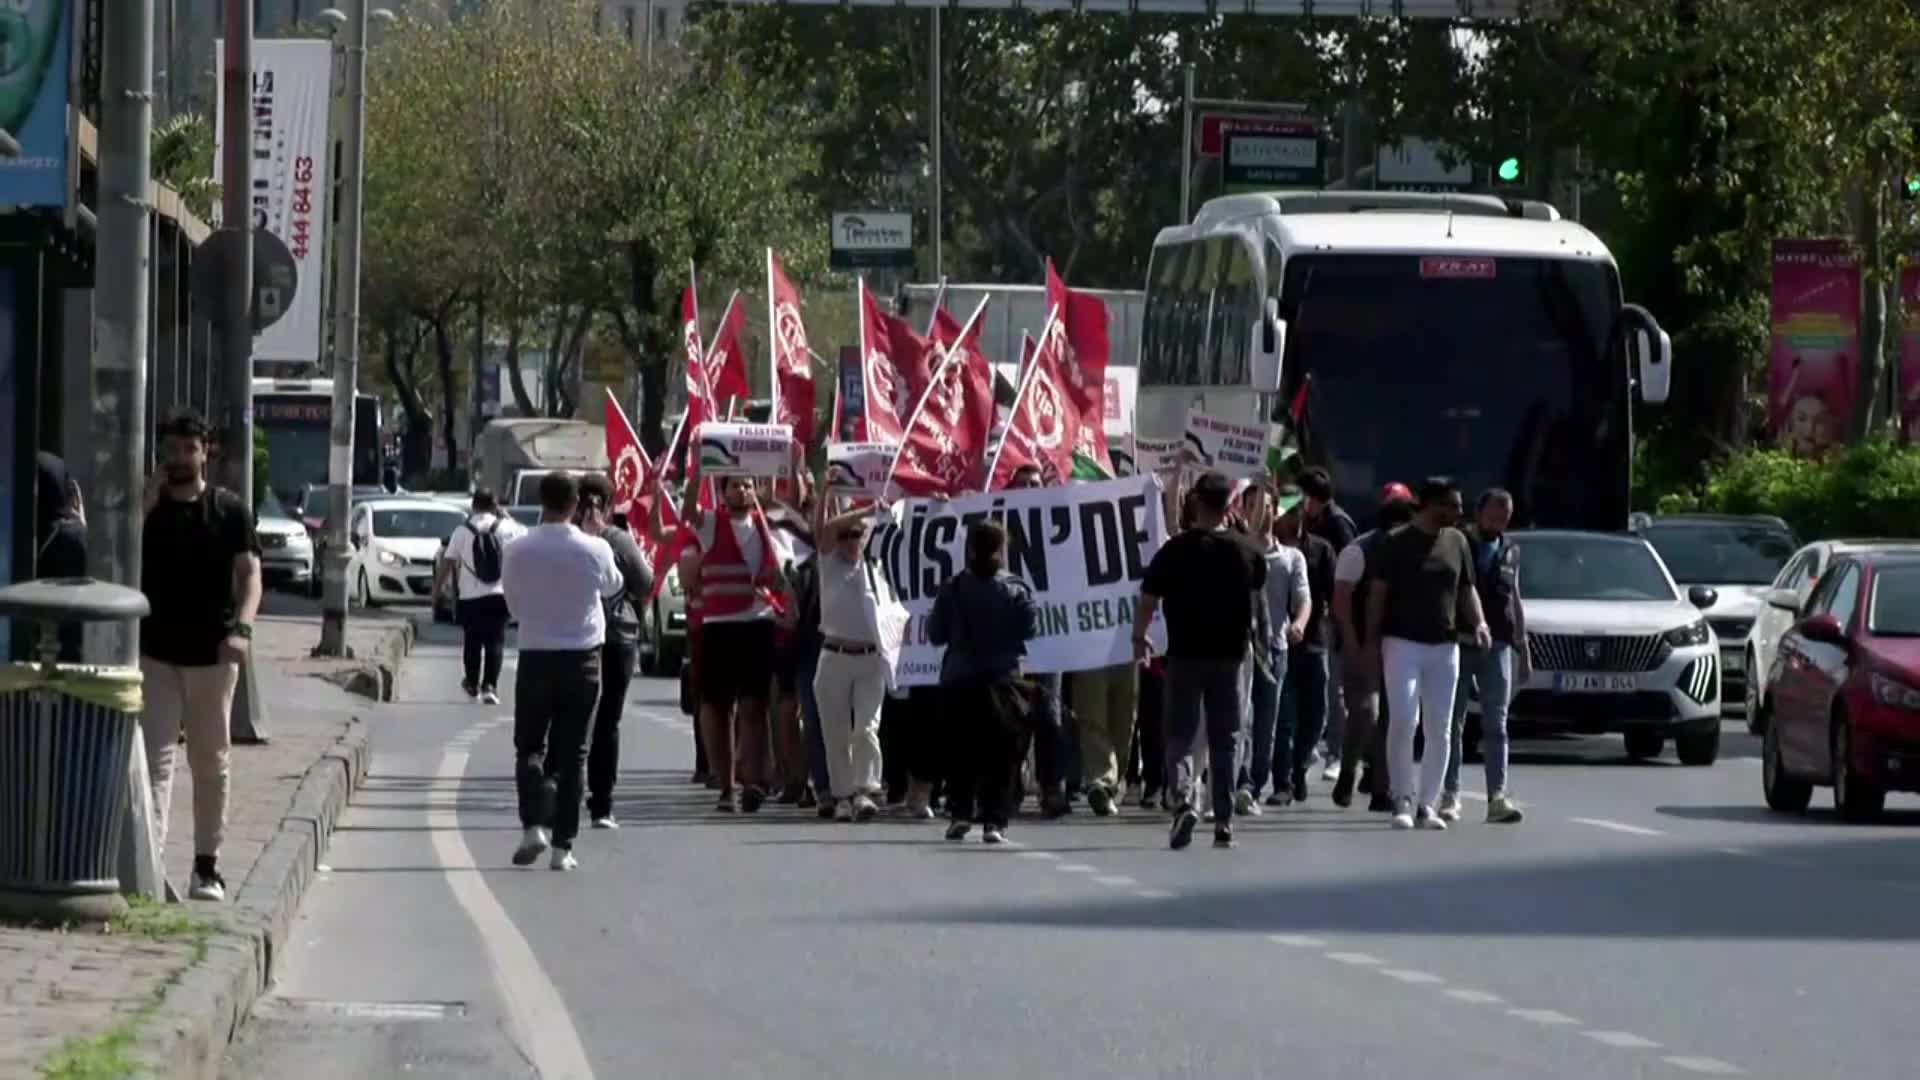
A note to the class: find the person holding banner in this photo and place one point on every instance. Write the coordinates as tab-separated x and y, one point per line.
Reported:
1058	743
984	617
850	683
742	585
1207	579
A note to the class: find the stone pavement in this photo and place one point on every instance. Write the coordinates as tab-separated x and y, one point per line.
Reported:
161	995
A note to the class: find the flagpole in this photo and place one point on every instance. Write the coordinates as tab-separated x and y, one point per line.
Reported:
939	297
866	412
1020	396
907	432
773	342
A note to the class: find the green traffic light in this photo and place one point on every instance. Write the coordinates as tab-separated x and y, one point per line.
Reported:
1913	186
1509	170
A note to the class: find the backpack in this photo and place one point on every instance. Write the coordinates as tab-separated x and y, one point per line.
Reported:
486	553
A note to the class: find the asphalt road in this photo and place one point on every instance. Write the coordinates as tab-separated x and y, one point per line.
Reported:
1645	921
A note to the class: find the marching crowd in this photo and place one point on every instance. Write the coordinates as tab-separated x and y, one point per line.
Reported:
1292	640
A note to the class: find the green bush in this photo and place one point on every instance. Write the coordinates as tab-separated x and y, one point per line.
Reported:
1868	490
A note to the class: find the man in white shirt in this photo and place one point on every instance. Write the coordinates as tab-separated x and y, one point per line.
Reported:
473	560
556	580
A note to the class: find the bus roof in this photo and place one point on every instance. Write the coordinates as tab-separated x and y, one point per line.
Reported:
265	385
1395	223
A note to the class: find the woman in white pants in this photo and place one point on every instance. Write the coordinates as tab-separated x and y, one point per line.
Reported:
1421	585
850	684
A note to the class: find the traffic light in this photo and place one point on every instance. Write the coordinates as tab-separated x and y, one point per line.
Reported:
1508	172
1910	187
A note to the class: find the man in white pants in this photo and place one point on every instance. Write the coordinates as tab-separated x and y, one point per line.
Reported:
1422	576
850	683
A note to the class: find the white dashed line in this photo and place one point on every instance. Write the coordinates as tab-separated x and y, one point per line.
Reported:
1154	894
1733	851
1118	881
1473	997
1417	978
1624	1040
1707	1065
1617	826
1474	796
1074	868
1297	941
1542	1016
1041	856
1357	959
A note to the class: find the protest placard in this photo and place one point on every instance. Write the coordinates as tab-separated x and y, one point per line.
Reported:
745	449
859	470
1224	446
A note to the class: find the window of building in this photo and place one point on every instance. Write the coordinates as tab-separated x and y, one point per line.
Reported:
632	18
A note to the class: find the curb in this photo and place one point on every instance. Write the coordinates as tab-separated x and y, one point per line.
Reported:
187	1037
374	676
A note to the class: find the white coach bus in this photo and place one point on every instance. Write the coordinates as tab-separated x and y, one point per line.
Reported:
1461	335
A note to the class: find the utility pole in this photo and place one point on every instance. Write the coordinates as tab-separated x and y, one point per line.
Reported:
236	211
119	374
346	339
939	271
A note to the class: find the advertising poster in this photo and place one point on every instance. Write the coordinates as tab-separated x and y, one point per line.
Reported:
291	83
1813	370
1907	318
33	103
1083	549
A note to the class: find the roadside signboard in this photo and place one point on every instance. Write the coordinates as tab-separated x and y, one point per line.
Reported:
871	239
1212	129
1422	165
1263	162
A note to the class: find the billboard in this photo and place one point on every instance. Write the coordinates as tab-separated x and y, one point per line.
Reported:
33	103
292	96
1814	366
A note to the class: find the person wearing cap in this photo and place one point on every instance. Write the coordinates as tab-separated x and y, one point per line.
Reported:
1207	579
1289	604
1303	698
1494	669
1423	582
1364	740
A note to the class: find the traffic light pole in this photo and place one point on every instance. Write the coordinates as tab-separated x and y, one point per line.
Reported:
346	340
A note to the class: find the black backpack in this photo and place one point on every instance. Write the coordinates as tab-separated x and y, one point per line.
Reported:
486	553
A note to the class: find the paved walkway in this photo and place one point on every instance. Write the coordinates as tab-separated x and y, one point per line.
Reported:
88	991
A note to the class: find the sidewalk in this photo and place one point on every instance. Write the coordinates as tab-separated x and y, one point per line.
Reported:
160	994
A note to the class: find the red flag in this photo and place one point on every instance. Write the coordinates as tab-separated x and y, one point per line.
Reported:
945	449
726	360
793	393
889	395
1082	325
1045	428
631	471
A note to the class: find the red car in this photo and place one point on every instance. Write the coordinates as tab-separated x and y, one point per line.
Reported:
1846	689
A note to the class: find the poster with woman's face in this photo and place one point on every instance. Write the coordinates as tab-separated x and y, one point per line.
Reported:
1813	371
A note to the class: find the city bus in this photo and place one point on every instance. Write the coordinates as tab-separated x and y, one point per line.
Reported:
1394	336
296	415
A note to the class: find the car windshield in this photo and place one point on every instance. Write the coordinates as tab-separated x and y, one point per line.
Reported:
1721	552
423	523
1895	607
1589	568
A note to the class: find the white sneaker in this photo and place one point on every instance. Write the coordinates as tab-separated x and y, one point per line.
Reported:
1449	806
488	697
1403	813
605	821
1502	810
1331	774
843	810
1244	803
1425	818
864	809
533	842
563	860
207	888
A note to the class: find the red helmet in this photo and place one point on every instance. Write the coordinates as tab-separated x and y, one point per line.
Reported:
1396	492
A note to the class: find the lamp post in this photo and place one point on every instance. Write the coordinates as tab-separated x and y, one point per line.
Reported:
346	328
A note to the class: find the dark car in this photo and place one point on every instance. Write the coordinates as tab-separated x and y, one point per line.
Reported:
1845	690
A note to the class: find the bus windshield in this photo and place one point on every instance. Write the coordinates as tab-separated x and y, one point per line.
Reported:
295	426
1491	371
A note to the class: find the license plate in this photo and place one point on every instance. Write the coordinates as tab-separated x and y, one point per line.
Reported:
1573	682
1733	660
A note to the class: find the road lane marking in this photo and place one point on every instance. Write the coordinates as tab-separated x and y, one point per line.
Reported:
1707	1065
1542	1016
1617	826
1417	978
1118	881
1154	894
1297	941
534	1006
1733	851
1357	959
1474	796
1042	856
1624	1040
1075	868
1473	997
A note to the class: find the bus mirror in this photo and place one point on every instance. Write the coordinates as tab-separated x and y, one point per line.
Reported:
1651	351
1269	345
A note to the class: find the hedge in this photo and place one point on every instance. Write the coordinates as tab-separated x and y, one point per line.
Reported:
1872	489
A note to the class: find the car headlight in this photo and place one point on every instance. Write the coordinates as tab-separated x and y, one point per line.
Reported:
1895	694
673	582
388	558
1692	634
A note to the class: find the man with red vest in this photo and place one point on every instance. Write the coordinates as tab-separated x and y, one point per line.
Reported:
742	587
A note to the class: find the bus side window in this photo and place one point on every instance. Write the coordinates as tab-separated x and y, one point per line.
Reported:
1212	309
1159	337
1190	335
1239	301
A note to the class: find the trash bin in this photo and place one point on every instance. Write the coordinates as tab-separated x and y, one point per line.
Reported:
66	734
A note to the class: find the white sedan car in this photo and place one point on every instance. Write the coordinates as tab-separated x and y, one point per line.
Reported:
1616	647
396	542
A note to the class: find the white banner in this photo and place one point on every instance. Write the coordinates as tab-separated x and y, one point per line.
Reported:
745	449
1083	548
1223	446
860	470
292	93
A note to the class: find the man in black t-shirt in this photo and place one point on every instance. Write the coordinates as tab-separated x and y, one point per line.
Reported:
1324	517
1422	580
1207	579
200	569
